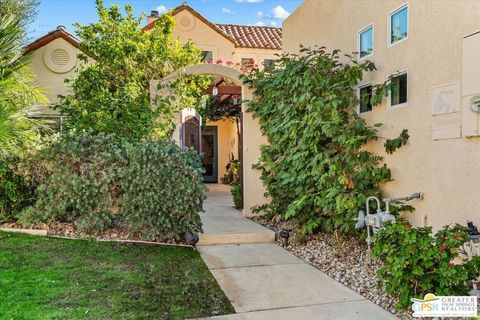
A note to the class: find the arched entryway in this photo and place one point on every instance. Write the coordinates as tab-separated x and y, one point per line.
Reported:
251	138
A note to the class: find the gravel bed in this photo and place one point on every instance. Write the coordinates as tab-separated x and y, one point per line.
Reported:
345	260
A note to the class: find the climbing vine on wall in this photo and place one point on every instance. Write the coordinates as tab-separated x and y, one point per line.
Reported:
316	167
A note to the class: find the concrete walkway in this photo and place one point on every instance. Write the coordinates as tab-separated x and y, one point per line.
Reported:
223	224
264	281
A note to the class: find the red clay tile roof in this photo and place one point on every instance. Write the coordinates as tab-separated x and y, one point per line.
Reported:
49	37
254	37
241	36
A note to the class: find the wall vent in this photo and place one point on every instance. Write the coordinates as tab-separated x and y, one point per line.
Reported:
60	57
186	22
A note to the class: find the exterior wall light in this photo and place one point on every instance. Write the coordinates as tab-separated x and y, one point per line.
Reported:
284	234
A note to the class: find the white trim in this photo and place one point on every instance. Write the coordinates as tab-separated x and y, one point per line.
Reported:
359	87
358	42
401	105
389	25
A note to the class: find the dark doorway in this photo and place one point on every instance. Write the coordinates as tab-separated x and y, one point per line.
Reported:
191	131
209	147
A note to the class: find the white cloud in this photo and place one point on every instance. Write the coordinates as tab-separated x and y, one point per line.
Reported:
248	1
259	14
273	24
279	13
259	24
161	9
226	10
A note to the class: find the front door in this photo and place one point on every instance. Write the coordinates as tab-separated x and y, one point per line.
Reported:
209	148
191	133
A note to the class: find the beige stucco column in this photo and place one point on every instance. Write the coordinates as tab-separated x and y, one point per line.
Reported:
252	137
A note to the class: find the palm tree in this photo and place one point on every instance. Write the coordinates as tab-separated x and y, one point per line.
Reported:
18	92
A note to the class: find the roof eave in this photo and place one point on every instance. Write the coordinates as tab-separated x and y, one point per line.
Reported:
183	7
252	47
51	36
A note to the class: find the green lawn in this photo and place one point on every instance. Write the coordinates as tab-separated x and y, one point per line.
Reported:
47	278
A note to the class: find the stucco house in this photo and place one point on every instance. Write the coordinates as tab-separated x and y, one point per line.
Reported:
432	49
54	58
233	46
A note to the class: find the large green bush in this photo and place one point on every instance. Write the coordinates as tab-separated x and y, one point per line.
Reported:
153	189
110	92
15	192
316	167
415	262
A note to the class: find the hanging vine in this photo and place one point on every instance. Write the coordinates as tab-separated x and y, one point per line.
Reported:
316	167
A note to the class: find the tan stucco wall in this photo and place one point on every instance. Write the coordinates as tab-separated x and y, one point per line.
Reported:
203	36
223	49
445	169
227	143
254	189
51	83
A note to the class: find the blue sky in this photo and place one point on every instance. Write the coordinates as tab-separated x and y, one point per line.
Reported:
53	13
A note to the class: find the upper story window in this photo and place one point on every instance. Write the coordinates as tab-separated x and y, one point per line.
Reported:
207	56
248	62
398	25
399	89
269	63
365	42
365	96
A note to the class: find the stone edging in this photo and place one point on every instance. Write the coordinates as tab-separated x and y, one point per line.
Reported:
44	233
33	232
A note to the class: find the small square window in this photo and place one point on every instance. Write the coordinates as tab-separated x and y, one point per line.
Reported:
247	62
365	99
365	42
269	64
398	25
207	56
398	92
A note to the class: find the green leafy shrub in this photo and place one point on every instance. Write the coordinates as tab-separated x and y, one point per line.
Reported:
152	189
417	262
316	167
162	190
110	92
232	176
15	192
237	195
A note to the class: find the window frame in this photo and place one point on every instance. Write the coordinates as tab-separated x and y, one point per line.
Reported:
268	59
389	25
247	65
213	55
359	41
400	105
359	87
